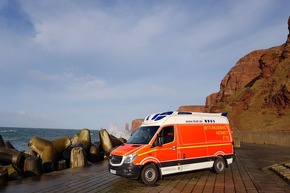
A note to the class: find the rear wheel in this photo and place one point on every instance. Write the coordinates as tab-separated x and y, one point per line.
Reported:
149	174
219	165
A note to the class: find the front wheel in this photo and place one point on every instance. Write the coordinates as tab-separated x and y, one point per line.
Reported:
219	165
149	174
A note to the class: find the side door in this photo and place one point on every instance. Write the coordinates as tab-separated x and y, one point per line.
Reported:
166	152
192	144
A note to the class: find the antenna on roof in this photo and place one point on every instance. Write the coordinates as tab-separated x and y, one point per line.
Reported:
169	108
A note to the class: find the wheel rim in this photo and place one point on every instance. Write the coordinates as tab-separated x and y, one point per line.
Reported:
150	174
220	166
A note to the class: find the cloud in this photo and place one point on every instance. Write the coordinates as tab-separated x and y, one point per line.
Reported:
75	87
65	83
96	31
39	75
93	62
22	119
91	84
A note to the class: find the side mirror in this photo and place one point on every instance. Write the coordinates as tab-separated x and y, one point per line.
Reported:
158	141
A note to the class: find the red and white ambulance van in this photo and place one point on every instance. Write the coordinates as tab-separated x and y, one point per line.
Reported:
173	142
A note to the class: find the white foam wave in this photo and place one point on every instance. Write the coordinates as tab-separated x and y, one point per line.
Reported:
8	131
119	133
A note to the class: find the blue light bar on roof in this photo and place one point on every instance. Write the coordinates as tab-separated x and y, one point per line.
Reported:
167	113
159	117
147	117
154	117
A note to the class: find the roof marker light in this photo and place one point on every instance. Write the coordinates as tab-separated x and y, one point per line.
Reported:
224	114
184	113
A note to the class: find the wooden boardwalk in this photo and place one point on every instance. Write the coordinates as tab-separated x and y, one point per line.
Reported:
248	173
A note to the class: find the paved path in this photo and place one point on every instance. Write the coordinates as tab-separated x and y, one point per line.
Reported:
248	173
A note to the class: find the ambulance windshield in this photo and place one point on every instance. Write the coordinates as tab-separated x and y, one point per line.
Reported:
143	135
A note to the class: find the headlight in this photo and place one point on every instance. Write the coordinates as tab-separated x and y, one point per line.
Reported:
130	158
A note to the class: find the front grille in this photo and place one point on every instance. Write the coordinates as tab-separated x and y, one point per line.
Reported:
116	159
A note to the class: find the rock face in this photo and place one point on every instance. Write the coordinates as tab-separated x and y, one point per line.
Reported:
286	50
256	91
136	124
246	70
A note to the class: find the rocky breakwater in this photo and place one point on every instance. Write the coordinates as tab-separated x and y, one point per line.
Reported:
46	156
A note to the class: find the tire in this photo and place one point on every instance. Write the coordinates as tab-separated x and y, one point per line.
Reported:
219	165
149	175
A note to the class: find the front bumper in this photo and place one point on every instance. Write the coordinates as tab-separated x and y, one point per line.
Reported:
130	171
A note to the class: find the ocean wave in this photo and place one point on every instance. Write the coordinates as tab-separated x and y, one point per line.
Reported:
8	131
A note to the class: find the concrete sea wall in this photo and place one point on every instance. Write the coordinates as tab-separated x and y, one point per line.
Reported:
281	138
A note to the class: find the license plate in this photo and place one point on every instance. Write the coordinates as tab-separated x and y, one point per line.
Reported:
113	171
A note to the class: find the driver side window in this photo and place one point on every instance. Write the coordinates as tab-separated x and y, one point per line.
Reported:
167	134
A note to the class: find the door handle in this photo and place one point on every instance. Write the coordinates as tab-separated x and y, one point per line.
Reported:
174	147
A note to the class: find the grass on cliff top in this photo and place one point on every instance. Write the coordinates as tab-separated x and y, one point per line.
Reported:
260	117
264	120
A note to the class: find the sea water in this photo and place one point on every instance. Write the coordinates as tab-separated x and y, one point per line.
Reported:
19	137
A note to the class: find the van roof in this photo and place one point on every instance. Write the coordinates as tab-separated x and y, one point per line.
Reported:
175	117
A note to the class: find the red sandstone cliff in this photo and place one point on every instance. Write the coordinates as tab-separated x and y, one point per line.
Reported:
256	91
192	108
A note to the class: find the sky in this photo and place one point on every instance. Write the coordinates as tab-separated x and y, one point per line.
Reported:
103	63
